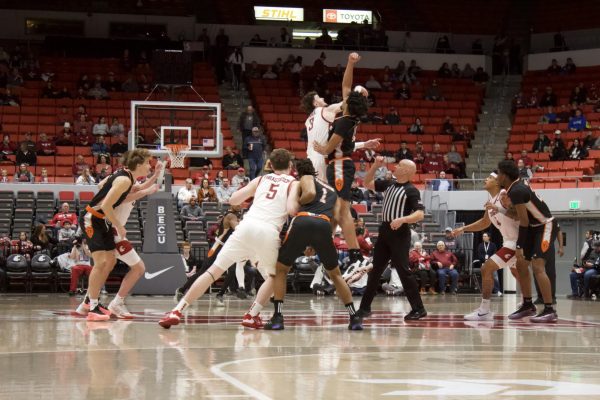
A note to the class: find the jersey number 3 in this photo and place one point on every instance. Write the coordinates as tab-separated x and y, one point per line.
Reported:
272	191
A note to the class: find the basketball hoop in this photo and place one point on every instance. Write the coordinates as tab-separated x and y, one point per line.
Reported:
176	154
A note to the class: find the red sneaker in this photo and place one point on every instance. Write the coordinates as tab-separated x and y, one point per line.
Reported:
170	319
252	322
97	314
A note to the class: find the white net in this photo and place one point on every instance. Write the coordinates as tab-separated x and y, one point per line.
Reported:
177	155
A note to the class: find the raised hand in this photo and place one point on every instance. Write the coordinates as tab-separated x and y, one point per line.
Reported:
372	143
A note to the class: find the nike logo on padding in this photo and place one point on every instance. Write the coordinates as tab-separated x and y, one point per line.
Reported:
153	275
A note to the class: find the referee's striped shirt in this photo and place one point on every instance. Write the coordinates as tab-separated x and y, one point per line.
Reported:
399	199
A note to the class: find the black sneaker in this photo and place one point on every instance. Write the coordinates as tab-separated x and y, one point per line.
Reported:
356	322
539	301
362	313
526	310
415	315
573	297
275	323
547	315
241	293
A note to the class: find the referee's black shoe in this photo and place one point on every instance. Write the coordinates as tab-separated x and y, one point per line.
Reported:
356	322
361	312
415	315
275	324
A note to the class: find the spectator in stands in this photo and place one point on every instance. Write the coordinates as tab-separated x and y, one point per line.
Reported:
116	128
103	167
44	176
434	161
419	264
416	128
7	147
404	153
578	123
130	85
79	166
448	127
524	170
443	45
455	161
9	99
554	68
577	97
224	191
577	151
386	82
23	175
526	159
452	244
66	233
206	193
83	138
192	212
101	127
111	84
481	76
590	268
540	145
254	71
25	156
255	147
85	178
232	160
45	147
588	141
434	93
441	184
248	120
549	98
569	67
4	176
549	117
81	110
592	95
285	39
28	142
563	115
446	262
324	41
97	92
357	195
412	73
42	243
468	72
559	152
82	123
63	116
444	71
239	178
78	262
238	67
64	94
269	74
392	118
372	83
23	246
185	193
518	102
117	149
419	155
100	147
49	92
403	93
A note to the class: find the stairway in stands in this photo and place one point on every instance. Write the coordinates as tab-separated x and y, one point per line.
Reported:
493	128
234	102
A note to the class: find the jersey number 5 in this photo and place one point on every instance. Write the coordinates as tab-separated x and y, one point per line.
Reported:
311	122
272	191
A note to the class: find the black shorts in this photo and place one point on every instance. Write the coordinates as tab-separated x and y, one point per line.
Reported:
100	235
309	231
540	241
340	174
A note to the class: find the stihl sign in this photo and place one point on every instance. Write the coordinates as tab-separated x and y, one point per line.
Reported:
278	13
347	16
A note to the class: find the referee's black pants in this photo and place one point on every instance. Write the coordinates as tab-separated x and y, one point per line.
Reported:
392	245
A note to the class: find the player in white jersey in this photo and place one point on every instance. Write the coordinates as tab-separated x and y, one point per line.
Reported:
504	218
124	251
256	238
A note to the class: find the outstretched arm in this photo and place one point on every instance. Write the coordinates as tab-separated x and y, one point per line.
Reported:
476	226
353	58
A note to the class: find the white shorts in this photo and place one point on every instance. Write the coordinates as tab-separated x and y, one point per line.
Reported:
505	257
318	161
252	240
125	252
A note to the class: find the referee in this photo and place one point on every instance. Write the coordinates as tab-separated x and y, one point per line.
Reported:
402	206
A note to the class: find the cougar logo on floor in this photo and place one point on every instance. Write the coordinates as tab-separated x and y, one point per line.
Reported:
346	16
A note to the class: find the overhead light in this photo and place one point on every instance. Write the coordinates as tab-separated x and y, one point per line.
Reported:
311	33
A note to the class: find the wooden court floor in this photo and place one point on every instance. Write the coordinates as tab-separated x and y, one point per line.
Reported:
47	353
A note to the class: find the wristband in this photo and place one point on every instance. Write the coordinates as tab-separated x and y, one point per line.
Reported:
523	233
359	145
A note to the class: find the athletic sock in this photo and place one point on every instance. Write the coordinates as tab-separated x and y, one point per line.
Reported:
278	305
350	308
485	305
548	307
119	300
355	255
182	305
527	301
255	309
93	303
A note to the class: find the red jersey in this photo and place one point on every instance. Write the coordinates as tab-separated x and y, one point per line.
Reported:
62	217
47	148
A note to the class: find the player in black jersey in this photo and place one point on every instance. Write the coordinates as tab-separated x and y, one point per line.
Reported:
537	232
98	221
311	227
340	146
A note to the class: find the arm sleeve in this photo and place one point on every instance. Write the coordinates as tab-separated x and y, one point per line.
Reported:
413	200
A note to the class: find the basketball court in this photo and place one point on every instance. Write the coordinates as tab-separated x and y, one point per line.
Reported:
47	351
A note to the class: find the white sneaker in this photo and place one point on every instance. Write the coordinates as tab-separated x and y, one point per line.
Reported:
83	309
499	294
478	316
119	310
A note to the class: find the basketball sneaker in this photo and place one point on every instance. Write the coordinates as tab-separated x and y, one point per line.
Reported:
363	313
525	310
241	294
252	322
275	323
415	315
119	310
84	308
548	315
356	323
98	314
172	318
220	302
178	295
477	315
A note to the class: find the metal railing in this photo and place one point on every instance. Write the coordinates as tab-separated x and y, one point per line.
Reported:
477	184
